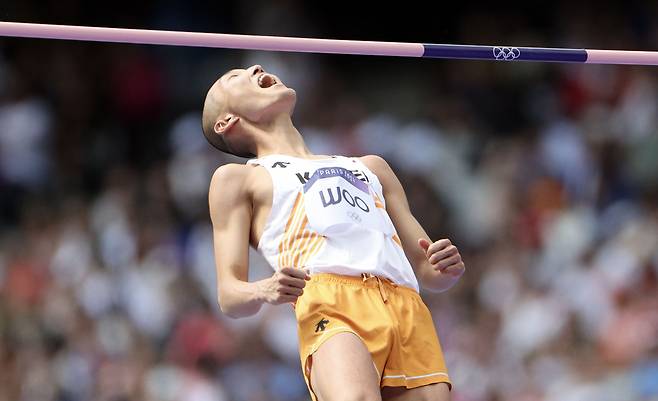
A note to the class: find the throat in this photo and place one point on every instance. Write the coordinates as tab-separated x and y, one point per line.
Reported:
284	139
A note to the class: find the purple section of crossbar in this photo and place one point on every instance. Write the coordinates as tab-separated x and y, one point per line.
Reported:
622	57
504	53
199	39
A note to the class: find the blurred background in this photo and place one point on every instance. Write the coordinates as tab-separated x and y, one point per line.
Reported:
545	175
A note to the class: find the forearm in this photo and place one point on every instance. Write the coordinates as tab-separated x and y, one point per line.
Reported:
435	281
429	278
437	265
239	298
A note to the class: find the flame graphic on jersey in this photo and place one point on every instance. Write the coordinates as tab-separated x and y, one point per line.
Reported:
298	243
379	204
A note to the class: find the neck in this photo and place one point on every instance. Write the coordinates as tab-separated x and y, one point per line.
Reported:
280	137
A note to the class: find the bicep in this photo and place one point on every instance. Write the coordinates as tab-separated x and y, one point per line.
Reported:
230	211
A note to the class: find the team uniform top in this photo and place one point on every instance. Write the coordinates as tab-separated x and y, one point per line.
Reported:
328	216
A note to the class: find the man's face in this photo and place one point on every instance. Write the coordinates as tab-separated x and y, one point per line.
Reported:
256	95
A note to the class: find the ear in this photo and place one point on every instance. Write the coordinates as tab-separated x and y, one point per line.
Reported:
225	123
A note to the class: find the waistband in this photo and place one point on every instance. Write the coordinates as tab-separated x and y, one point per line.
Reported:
365	280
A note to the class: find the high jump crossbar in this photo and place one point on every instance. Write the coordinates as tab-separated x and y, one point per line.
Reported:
334	46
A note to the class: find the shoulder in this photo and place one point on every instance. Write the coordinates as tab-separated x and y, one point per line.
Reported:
234	179
377	165
230	181
389	181
229	174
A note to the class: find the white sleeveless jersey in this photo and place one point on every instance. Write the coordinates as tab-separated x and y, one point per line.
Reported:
328	216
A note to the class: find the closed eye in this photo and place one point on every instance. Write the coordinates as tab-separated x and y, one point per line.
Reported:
226	77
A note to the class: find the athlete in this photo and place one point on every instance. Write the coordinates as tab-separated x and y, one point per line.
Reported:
345	248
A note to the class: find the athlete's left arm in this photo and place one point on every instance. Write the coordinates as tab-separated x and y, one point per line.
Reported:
438	265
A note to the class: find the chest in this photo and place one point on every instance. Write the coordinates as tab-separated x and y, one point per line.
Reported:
291	178
341	186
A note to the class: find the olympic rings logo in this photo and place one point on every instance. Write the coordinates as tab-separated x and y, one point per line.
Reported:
506	53
354	216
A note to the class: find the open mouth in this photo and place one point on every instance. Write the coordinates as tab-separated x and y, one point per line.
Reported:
266	80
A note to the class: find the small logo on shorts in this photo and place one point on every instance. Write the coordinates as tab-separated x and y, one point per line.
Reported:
321	325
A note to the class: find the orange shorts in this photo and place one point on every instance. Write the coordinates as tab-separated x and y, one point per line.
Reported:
391	320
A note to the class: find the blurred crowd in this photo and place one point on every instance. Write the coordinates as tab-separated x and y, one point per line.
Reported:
545	176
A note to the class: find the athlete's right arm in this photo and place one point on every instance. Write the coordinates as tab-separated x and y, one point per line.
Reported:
230	201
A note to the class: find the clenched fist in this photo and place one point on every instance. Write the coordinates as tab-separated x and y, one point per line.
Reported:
284	286
443	256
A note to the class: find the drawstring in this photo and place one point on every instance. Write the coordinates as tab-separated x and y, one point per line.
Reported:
382	289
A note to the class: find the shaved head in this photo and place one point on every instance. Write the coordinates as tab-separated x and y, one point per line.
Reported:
214	107
241	103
